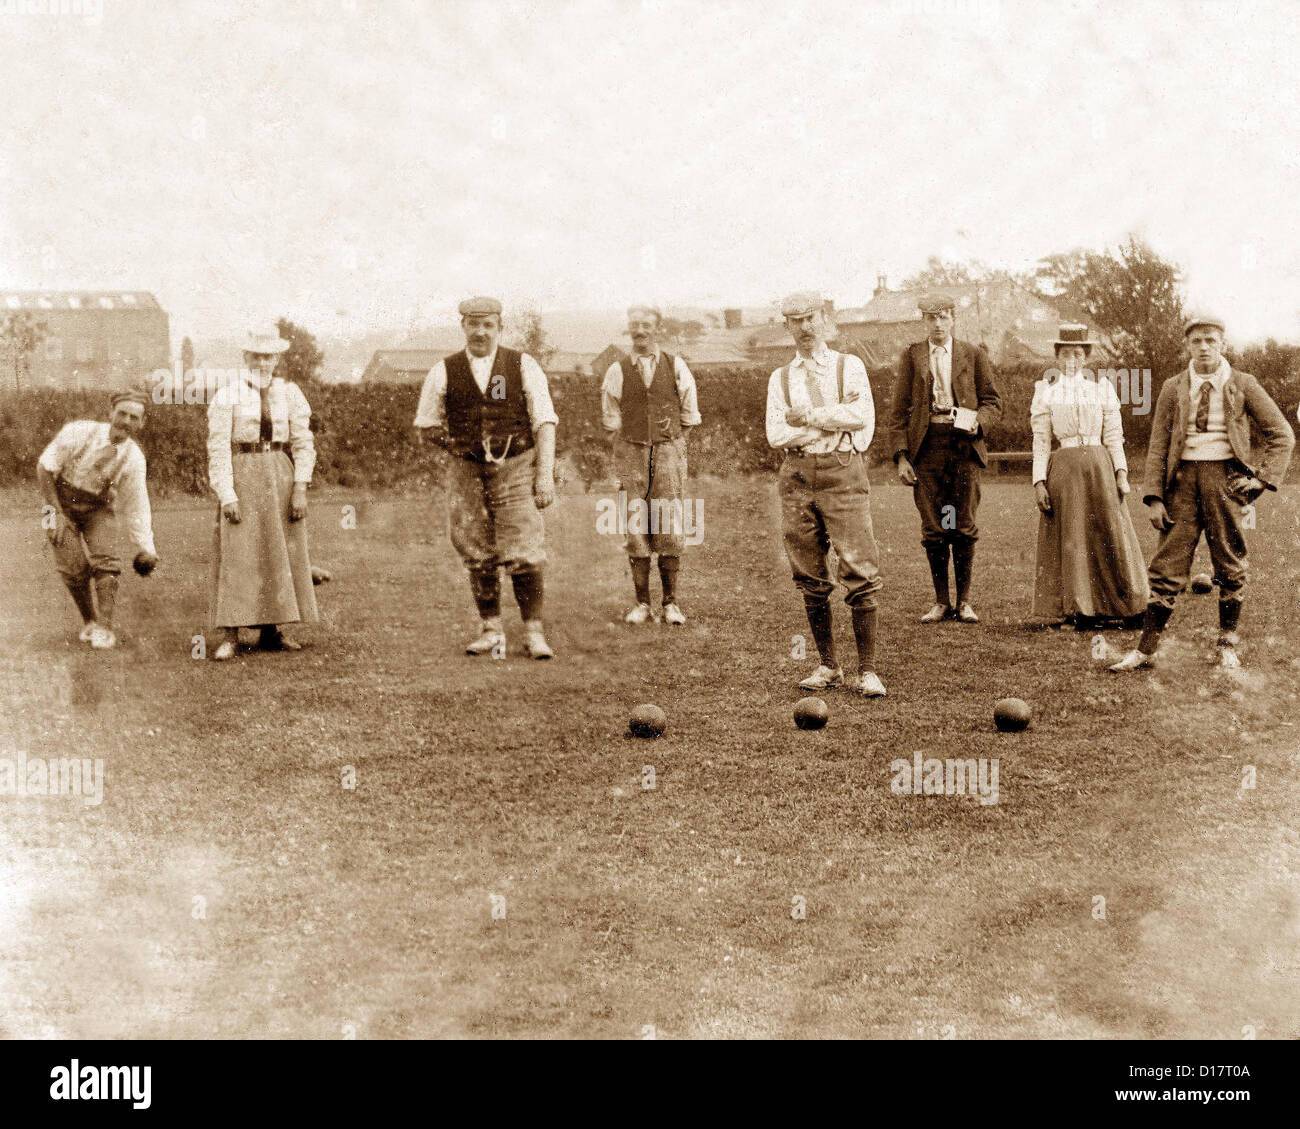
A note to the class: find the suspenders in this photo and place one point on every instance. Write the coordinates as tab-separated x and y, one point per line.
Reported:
839	377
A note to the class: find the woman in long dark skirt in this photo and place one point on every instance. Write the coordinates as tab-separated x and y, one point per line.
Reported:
260	461
1089	566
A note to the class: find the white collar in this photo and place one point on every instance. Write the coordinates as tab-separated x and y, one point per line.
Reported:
821	358
473	360
946	346
1218	378
651	356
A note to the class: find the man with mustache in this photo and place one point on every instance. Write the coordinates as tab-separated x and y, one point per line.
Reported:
89	472
490	407
1199	475
821	414
648	406
945	401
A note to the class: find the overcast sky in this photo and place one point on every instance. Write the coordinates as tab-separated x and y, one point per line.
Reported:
342	161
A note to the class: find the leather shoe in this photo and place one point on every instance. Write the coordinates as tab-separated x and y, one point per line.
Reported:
868	684
823	678
937	613
966	614
1134	660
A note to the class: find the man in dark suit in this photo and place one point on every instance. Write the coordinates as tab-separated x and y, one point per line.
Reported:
944	403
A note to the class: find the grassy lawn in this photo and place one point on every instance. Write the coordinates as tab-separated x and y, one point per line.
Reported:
230	885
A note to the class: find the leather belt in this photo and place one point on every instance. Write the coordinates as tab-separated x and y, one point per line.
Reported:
947	415
260	445
1079	441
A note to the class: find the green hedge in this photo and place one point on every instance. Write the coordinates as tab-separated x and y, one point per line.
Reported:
364	436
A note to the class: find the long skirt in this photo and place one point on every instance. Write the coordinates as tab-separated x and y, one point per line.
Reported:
262	573
1089	559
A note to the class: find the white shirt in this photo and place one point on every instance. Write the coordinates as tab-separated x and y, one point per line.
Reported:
1075	407
828	424
235	416
432	410
1211	444
941	364
611	390
82	456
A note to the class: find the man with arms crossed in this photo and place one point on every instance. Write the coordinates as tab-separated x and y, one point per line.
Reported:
821	414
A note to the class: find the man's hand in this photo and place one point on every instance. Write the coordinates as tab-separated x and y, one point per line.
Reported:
1121	483
796	417
906	475
435	436
145	562
230	511
543	489
61	529
1043	497
298	502
1160	518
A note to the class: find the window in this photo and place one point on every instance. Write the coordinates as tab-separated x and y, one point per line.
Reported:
128	299
12	302
53	349
44	303
85	351
107	303
965	301
74	303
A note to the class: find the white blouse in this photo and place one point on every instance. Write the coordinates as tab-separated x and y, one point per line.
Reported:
1079	410
235	416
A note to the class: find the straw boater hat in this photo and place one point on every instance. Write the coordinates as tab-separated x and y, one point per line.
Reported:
1072	334
265	339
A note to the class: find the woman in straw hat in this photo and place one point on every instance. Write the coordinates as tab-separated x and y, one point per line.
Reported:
1090	565
260	461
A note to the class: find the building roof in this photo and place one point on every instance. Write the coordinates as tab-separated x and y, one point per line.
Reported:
407	363
77	300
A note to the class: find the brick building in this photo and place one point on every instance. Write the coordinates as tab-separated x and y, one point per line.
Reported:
92	338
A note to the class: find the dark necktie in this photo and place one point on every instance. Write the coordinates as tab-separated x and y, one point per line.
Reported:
267	431
1203	408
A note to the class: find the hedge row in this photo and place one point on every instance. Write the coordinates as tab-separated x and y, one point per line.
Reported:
364	435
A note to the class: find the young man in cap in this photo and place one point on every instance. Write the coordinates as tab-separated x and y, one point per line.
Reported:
648	405
89	473
821	414
490	407
1199	475
945	401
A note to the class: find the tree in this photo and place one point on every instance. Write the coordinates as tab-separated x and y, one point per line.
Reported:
938	273
187	355
302	360
679	334
20	335
1130	295
530	337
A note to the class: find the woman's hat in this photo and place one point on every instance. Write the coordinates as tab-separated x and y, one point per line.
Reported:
265	339
1072	334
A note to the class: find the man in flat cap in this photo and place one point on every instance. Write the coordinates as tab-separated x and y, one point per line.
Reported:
648	406
1199	476
490	407
945	401
90	472
821	414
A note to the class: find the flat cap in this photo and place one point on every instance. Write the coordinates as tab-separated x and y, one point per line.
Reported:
479	306
129	396
935	303
802	303
1203	319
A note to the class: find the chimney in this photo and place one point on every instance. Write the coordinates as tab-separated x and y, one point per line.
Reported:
881	286
732	319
